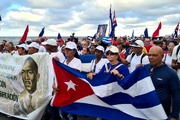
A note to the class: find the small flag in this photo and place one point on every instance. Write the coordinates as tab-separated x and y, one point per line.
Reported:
24	37
42	32
59	38
156	32
146	33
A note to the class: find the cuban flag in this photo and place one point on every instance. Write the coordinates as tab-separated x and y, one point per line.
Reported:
107	97
114	24
42	32
175	35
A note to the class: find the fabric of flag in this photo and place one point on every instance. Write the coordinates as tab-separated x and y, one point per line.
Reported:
132	37
60	38
42	32
24	37
107	40
0	18
146	33
156	32
105	96
91	37
176	31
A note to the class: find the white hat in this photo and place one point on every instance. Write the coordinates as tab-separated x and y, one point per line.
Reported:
137	43
50	42
34	44
113	49
71	45
100	48
23	46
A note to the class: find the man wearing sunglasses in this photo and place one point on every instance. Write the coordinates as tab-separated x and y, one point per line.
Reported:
137	57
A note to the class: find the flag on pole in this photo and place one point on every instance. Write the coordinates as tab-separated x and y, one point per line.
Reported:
132	37
42	32
24	37
113	25
156	32
105	96
110	20
175	35
146	33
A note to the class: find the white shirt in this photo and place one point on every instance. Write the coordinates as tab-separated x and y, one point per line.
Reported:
176	57
135	61
74	63
167	59
99	65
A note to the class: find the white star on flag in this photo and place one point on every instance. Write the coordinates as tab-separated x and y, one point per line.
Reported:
71	85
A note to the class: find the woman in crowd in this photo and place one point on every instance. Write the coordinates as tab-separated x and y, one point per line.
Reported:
114	66
168	56
22	49
72	60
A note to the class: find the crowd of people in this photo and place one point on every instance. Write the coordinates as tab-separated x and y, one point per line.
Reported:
160	56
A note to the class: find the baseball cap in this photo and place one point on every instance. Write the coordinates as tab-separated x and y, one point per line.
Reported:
100	48
71	45
51	42
34	44
137	43
23	46
113	49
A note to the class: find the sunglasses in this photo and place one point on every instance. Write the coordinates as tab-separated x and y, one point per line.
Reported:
110	53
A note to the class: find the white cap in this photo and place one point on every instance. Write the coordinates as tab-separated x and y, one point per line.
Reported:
100	48
113	49
137	43
71	45
23	46
34	44
51	42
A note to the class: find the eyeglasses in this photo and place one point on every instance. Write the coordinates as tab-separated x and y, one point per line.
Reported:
110	53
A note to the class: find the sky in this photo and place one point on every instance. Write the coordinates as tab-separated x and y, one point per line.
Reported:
82	17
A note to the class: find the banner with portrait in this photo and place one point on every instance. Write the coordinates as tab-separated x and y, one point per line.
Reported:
101	32
25	85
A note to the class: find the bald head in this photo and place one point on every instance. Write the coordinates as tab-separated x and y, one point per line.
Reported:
157	49
155	56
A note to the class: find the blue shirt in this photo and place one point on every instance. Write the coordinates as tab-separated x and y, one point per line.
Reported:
167	85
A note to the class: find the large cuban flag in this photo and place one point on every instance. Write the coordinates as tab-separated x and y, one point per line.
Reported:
105	96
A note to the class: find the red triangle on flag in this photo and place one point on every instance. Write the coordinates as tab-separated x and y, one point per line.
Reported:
71	88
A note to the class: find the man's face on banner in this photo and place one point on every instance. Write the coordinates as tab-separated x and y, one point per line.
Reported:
29	77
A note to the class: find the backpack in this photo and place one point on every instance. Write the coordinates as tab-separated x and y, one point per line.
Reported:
141	57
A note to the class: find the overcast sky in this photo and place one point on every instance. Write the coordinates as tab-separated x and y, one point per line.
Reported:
84	16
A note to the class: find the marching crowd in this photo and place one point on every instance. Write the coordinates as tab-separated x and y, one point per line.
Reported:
160	56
